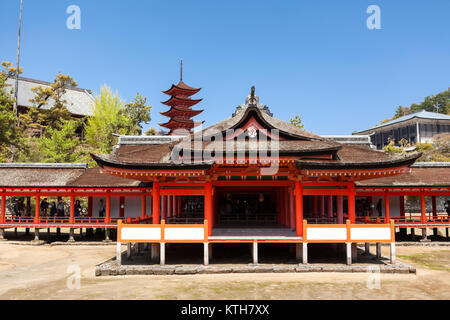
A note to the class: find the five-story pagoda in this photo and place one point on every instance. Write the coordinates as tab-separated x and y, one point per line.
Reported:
181	112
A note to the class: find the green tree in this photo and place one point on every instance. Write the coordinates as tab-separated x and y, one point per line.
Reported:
38	119
138	112
10	135
60	144
297	121
109	119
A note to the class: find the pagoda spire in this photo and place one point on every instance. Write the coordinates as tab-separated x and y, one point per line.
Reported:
180	103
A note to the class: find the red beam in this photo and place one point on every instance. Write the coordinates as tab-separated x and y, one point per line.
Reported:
253	183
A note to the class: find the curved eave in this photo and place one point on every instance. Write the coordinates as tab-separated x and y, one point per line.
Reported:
174	101
185	122
407	161
106	162
267	124
188	91
192	112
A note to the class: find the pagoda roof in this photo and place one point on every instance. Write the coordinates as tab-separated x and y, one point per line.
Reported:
177	101
181	89
176	109
174	123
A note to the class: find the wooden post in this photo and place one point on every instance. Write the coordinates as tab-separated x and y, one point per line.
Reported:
108	207
340	209
163	207
402	206
72	210
386	208
322	206
433	203
423	210
206	253
119	253
37	209
169	206
143	206
292	207
208	205
156	203
299	208
3	210
351	204
90	206
330	206
122	207
315	211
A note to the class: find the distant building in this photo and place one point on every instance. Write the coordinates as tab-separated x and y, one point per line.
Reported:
360	140
79	101
418	127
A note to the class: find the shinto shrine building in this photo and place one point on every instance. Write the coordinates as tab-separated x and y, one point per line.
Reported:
251	178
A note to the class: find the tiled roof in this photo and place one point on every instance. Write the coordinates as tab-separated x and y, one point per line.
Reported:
38	175
420	115
79	100
418	177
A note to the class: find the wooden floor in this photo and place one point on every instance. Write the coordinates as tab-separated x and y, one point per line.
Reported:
254	233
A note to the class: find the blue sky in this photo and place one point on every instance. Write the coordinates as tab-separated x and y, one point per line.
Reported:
313	58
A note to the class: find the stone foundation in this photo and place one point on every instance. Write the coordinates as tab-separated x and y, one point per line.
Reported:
112	268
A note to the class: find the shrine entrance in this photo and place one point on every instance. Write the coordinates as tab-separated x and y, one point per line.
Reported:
246	208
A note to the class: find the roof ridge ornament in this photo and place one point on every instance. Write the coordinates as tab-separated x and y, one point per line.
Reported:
252	100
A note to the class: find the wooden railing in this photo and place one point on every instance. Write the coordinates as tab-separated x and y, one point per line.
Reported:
17	220
167	233
405	220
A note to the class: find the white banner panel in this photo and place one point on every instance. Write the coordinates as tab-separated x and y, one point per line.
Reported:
326	234
180	234
370	234
145	234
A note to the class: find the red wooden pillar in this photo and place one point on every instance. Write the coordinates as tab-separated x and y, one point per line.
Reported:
169	206
37	209
208	205
90	203
386	208
299	208
292	207
156	203
433	203
340	209
164	207
108	207
351	204
28	207
315	211
3	209
179	207
72	210
330	206
423	209
322	206
287	207
174	206
402	206
143	206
